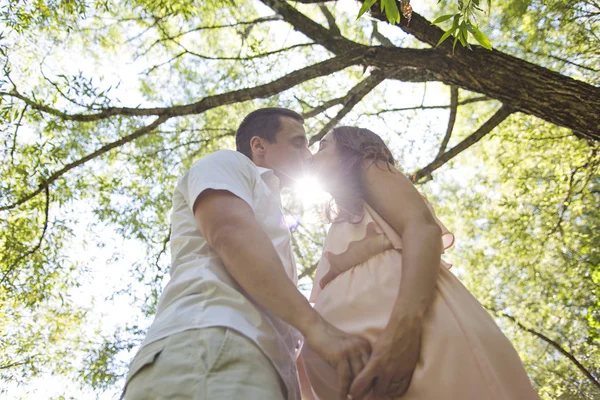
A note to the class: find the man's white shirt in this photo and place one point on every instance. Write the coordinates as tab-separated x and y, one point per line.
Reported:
201	293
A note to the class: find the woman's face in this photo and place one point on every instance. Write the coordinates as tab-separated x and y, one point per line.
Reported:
325	165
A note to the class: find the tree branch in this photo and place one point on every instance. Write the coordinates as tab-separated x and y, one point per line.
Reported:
262	91
526	87
330	20
451	120
476	136
203	141
460	103
254	56
592	162
335	43
308	271
554	344
46	182
163	250
380	37
15	364
354	96
209	27
325	106
323	68
226	58
563	60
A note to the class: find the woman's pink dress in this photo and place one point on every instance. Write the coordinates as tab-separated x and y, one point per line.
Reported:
464	355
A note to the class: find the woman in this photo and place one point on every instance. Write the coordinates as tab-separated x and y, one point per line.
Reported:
381	277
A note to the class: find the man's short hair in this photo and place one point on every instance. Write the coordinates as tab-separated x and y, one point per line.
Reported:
264	123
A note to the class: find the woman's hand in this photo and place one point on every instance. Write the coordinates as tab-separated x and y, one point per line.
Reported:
357	253
390	368
346	353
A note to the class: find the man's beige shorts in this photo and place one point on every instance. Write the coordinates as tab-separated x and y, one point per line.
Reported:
209	363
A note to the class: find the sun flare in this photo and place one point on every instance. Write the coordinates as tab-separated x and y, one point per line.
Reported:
310	191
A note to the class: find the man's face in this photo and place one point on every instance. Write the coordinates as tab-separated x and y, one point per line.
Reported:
287	156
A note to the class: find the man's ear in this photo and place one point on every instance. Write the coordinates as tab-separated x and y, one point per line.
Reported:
257	146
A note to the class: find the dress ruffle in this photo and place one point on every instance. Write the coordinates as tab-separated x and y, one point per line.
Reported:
364	240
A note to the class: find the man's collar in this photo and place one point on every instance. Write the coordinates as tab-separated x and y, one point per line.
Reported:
263	170
268	175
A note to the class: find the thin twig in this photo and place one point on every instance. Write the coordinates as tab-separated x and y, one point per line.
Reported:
325	106
422	107
226	58
554	344
210	27
14	143
330	20
380	37
308	271
451	120
163	249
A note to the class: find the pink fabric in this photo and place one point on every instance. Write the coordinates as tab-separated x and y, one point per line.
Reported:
464	355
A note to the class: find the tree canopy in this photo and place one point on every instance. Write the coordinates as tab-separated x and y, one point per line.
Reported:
105	103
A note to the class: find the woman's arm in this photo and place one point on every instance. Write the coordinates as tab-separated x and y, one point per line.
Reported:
396	352
395	198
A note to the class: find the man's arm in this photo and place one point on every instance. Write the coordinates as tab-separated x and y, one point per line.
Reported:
230	227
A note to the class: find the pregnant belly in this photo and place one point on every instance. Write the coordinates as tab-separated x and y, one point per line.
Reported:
359	301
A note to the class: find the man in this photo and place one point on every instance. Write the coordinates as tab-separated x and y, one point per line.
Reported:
230	322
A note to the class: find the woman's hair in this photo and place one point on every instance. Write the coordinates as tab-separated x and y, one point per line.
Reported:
355	146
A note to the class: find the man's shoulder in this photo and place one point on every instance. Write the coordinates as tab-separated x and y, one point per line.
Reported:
225	158
222	164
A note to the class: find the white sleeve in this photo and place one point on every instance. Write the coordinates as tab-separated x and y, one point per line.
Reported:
223	170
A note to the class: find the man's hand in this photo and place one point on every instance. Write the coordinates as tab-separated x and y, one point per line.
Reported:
346	353
389	370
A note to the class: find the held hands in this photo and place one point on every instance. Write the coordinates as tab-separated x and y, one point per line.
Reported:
346	353
385	372
388	372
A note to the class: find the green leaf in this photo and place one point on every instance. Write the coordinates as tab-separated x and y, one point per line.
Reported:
463	34
442	19
479	36
446	35
456	20
365	7
391	10
450	31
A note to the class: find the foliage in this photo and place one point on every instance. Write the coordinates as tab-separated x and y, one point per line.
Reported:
94	139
